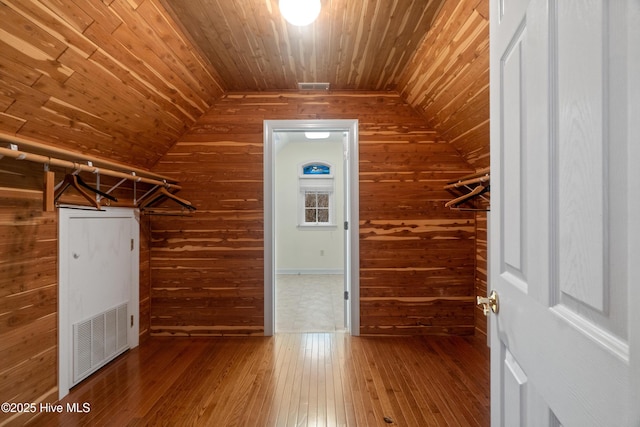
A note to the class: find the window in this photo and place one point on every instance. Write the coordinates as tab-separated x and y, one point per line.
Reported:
316	187
316	207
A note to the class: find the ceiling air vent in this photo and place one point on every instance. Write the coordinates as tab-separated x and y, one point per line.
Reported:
313	86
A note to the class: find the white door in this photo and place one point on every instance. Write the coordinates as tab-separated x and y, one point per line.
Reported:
98	275
564	226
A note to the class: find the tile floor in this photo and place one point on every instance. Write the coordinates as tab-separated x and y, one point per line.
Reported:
309	303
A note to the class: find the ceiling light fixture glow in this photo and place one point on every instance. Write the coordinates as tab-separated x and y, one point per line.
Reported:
317	135
300	12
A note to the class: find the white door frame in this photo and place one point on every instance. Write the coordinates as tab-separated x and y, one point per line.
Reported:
65	214
350	175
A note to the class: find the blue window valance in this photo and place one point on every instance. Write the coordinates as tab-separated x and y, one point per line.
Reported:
316	169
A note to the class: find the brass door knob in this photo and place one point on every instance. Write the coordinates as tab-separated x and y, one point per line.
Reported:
490	303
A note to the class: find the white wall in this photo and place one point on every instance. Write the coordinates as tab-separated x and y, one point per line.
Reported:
307	250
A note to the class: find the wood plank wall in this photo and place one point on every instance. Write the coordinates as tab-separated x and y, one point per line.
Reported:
417	258
29	286
481	275
447	82
28	299
115	79
145	278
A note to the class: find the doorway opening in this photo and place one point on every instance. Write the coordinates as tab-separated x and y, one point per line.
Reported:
322	200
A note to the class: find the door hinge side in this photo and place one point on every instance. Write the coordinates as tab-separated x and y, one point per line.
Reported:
346	225
132	244
346	295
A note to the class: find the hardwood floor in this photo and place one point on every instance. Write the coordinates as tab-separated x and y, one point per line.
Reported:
312	379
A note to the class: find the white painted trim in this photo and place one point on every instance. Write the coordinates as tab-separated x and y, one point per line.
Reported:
308	271
65	214
351	176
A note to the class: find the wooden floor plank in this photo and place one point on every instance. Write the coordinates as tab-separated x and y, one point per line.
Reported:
313	379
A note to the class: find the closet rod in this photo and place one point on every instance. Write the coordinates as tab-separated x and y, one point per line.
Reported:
478	173
26	143
37	158
467	182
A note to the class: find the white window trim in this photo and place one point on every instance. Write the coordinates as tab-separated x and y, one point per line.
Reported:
320	183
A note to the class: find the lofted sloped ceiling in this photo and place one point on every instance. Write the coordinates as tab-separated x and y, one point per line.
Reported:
353	45
115	79
125	79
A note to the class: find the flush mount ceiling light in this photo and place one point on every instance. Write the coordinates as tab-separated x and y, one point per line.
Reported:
300	12
317	135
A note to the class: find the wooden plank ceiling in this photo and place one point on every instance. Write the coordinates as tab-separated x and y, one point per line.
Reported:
115	79
354	44
125	79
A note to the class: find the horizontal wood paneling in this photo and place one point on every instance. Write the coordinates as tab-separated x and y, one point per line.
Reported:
113	79
447	79
28	299
481	278
29	282
145	278
417	258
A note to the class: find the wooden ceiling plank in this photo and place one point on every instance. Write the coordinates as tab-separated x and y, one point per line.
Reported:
341	45
196	19
199	31
99	12
252	42
19	91
464	104
165	67
353	44
385	18
24	53
119	54
48	20
447	79
221	45
173	37
424	69
471	79
69	12
124	127
109	96
17	71
49	69
89	143
406	44
238	34
10	123
171	116
362	34
29	33
273	60
473	34
5	101
112	128
169	64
